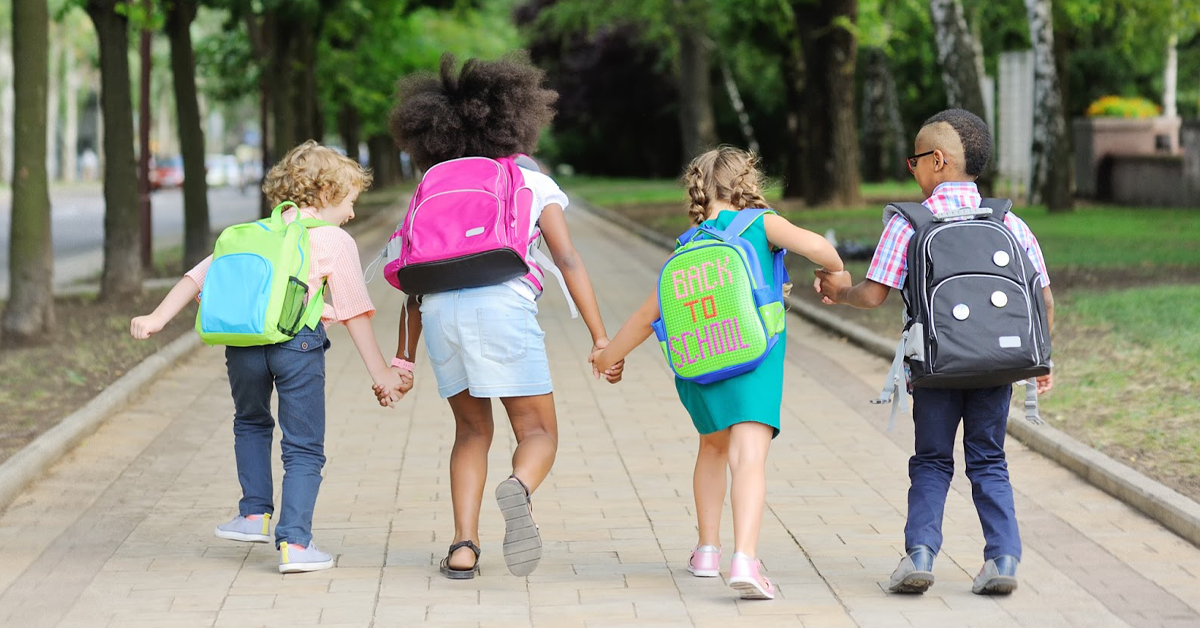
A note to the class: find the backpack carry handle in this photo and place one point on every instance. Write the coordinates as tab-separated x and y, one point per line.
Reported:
964	212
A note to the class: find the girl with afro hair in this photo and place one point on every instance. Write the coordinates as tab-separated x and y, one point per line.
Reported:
486	342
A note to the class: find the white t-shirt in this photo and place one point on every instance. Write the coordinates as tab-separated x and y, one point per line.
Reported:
545	192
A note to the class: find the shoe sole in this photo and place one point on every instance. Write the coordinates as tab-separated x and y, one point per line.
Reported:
701	573
997	585
522	541
749	590
915	582
241	536
306	567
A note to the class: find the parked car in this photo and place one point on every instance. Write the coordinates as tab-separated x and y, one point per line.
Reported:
223	170
166	172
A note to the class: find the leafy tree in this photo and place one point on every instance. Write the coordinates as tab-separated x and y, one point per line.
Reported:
122	274
29	316
196	236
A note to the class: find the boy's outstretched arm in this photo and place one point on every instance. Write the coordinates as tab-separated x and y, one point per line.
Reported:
554	228
184	292
835	288
634	332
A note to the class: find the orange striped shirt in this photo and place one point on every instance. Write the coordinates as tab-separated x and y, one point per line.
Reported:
334	260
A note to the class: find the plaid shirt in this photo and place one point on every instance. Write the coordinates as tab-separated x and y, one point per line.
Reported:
890	264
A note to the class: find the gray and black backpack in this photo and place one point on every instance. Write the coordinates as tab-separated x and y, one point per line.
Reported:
976	314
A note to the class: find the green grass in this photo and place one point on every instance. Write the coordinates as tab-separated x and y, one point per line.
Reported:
1128	366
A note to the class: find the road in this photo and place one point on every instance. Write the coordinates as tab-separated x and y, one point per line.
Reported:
78	225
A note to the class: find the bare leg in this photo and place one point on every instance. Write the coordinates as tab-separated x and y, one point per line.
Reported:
708	485
473	430
536	427
748	445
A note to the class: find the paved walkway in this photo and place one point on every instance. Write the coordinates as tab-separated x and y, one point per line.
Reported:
120	533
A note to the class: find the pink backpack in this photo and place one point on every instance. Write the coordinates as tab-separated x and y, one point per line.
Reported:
467	226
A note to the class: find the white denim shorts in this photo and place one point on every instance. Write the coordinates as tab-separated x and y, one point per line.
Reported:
487	341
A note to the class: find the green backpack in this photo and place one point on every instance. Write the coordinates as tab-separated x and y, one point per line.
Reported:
718	316
253	293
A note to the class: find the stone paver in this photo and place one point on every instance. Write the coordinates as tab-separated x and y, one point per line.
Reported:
120	532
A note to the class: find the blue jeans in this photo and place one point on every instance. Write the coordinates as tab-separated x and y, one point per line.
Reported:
984	414
296	369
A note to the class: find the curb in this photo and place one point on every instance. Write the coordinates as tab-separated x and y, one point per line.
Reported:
34	459
1173	510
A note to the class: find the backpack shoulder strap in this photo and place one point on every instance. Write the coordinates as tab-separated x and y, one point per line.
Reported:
744	218
999	206
916	214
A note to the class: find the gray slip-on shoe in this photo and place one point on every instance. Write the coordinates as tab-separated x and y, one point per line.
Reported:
914	574
998	577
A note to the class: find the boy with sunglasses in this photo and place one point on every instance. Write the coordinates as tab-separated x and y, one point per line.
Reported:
952	149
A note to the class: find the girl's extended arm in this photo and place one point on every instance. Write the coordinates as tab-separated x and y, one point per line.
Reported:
363	336
785	235
554	229
410	330
634	332
183	293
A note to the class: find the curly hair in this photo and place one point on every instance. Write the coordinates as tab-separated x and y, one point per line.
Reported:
488	109
974	135
725	174
311	175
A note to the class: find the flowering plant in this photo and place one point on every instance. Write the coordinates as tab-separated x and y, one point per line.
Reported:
1122	107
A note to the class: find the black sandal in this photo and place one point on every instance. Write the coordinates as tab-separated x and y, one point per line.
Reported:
461	574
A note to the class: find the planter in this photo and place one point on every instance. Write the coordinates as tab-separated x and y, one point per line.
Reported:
1097	138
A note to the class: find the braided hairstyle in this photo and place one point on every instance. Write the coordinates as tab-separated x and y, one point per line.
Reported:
725	173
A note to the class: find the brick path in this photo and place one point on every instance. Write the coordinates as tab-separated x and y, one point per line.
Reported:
120	532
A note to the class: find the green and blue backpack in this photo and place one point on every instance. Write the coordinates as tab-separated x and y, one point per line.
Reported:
717	315
253	293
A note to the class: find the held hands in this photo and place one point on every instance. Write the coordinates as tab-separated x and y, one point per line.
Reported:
391	386
831	286
142	327
612	371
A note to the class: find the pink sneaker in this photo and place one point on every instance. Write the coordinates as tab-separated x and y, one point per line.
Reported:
705	562
745	579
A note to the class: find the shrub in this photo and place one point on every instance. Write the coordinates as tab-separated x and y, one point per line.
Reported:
1122	107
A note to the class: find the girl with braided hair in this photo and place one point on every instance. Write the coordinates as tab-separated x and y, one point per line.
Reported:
736	417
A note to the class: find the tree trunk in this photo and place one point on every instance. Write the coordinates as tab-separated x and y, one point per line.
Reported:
385	160
29	316
898	141
70	145
1052	167
303	76
697	123
53	164
874	116
795	128
196	229
122	275
960	59
735	99
830	48
350	129
1171	77
279	71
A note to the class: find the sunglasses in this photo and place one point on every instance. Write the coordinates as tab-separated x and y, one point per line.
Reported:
912	161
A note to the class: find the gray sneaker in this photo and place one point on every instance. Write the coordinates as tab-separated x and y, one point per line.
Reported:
257	530
998	577
296	559
914	574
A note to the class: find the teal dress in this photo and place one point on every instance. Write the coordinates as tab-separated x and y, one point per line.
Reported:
753	396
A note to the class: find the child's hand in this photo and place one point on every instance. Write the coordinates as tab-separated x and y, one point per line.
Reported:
1045	383
387	387
831	286
142	327
604	367
406	379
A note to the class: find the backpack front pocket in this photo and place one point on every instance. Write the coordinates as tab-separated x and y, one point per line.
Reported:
981	323
235	296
